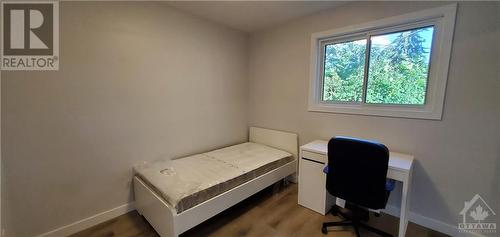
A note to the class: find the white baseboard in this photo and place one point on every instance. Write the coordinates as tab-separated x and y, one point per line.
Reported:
90	221
83	224
430	223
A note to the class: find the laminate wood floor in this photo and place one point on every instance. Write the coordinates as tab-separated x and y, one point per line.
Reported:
272	212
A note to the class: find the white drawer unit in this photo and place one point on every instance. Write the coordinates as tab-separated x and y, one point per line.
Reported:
312	182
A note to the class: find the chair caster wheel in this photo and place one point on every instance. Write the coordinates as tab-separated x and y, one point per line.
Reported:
324	230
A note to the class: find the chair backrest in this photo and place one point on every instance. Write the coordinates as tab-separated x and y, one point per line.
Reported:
358	171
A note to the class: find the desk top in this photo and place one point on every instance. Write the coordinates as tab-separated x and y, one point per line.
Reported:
397	161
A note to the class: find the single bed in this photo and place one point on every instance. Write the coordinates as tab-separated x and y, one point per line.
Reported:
176	195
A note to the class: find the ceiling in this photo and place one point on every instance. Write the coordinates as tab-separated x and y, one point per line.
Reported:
252	16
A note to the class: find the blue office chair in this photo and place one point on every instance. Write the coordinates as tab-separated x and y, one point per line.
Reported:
357	173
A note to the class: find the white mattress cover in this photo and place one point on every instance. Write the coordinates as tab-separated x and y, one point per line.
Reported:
179	178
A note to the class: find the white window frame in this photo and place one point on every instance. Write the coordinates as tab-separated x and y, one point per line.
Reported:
443	20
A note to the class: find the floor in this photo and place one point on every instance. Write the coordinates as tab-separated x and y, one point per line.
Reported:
272	212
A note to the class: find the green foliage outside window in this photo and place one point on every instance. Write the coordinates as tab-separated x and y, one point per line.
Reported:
343	74
397	71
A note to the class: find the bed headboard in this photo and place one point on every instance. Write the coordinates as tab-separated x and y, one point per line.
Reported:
281	140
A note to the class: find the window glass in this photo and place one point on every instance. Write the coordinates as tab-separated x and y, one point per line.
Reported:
399	67
343	71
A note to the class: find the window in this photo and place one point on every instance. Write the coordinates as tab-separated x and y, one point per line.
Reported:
393	67
343	71
399	67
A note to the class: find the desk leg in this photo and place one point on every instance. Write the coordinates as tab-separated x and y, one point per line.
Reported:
403	216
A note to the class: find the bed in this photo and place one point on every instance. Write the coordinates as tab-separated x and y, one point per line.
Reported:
176	195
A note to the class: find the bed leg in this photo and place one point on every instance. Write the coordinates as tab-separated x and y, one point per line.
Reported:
292	178
280	185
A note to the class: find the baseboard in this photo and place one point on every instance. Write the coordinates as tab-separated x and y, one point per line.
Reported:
90	221
430	223
83	224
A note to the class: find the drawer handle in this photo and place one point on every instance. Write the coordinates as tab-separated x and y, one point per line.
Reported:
315	161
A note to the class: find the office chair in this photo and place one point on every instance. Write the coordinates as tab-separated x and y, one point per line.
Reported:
357	173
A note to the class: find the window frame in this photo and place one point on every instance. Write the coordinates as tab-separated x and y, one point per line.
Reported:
443	20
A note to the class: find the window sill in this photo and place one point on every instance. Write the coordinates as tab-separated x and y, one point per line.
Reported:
413	112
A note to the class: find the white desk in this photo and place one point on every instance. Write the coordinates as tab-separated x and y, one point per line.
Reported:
312	181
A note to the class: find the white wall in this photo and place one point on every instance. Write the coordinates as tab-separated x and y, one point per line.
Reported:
456	157
137	81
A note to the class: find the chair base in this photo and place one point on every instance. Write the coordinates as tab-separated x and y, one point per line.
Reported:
354	220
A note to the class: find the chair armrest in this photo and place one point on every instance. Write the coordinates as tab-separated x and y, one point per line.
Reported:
390	184
326	170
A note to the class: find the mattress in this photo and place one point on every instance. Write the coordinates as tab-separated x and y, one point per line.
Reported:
189	181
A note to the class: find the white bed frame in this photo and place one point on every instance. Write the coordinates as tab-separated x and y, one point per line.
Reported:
168	223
